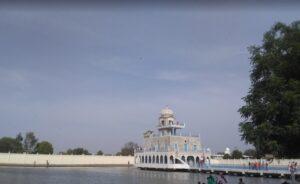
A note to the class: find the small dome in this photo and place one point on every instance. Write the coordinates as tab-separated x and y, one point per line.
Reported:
166	111
227	151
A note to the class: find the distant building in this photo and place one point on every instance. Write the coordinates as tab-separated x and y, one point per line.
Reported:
169	148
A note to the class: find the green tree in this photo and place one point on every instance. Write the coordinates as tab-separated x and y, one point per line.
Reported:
44	147
128	149
250	153
19	138
8	144
272	107
30	142
99	152
78	151
236	154
226	156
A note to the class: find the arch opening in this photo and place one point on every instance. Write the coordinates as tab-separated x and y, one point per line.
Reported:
171	159
191	161
197	162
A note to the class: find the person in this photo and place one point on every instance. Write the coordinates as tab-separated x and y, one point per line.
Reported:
293	170
221	179
211	180
241	181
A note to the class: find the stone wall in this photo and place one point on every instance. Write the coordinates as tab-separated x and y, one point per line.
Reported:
275	162
10	159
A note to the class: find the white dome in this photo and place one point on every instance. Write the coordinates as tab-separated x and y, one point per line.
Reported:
166	111
227	151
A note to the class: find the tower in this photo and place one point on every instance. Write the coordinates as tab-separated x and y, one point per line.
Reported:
167	123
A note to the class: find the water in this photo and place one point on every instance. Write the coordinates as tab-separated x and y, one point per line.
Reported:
109	175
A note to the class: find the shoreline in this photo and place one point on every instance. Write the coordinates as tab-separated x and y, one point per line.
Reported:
65	165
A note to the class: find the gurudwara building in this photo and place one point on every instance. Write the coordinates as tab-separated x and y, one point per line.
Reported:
168	148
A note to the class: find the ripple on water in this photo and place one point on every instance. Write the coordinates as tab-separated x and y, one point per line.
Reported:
110	175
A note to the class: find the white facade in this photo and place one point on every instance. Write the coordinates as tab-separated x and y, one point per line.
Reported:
169	149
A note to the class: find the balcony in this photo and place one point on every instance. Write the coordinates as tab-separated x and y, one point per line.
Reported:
175	125
177	134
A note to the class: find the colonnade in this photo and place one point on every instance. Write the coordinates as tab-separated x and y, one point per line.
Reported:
193	161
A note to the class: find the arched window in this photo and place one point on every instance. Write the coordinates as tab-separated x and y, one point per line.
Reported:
197	162
149	159
161	159
153	159
166	159
191	161
146	159
186	147
171	160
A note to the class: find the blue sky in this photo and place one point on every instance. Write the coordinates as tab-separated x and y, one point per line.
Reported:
97	78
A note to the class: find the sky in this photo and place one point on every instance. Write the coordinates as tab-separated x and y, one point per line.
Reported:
98	77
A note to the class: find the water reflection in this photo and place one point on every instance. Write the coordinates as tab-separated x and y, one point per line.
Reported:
110	175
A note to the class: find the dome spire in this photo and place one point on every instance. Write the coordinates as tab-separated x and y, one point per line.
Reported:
166	111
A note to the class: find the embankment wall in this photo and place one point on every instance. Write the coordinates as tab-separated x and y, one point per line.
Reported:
274	162
35	160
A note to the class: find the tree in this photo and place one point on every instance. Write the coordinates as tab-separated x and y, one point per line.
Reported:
272	107
30	142
78	151
19	138
8	144
226	156
128	149
99	152
44	147
250	153
236	154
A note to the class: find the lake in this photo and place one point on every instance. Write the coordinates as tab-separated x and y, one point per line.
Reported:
109	175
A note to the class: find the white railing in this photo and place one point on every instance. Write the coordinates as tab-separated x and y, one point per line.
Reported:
178	134
179	125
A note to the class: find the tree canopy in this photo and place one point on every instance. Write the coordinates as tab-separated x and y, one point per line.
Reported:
128	149
8	144
44	147
226	156
78	151
236	154
99	152
272	107
30	142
